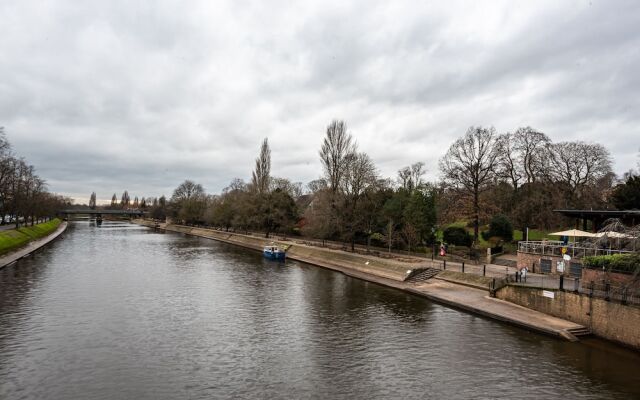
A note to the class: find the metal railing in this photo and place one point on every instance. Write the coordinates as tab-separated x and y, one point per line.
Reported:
554	248
607	290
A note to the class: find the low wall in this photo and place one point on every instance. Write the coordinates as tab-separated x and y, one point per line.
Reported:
532	262
610	320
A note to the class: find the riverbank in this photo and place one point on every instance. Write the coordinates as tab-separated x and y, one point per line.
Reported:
394	274
24	241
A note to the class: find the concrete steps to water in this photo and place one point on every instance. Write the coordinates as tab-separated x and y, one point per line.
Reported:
424	275
581	331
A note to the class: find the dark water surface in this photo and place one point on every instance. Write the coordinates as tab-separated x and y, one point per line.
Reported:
123	312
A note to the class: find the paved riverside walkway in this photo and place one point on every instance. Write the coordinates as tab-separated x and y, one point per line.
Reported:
31	246
478	301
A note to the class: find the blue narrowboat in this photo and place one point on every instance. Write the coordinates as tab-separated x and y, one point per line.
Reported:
272	252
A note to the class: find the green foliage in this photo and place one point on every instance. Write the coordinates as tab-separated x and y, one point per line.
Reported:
457	236
16	238
377	238
420	212
275	211
410	215
534	234
499	227
627	196
614	262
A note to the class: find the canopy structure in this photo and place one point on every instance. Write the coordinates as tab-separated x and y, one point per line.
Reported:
573	233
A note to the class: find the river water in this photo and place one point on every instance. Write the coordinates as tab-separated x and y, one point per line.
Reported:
123	312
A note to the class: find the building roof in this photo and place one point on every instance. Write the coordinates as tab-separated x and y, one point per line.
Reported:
596	213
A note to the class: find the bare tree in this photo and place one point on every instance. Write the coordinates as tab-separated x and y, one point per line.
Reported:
7	164
187	190
533	148
360	174
404	177
577	165
410	178
114	201
471	163
92	201
336	147
261	174
317	185
293	189
125	200
524	156
188	202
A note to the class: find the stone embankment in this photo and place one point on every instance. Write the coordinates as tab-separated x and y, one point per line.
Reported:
32	246
458	290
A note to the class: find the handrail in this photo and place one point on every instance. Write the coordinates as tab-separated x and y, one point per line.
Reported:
554	248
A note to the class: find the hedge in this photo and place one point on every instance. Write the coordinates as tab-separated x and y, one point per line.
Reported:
614	262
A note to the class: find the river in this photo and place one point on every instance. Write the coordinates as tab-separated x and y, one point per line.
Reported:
120	311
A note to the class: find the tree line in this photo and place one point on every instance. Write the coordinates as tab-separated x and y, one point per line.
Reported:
516	178
24	198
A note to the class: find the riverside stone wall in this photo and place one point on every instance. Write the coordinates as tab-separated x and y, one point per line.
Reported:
610	320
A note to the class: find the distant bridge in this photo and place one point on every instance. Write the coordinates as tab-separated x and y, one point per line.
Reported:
100	213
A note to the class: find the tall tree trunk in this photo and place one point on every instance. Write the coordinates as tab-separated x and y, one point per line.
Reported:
476	217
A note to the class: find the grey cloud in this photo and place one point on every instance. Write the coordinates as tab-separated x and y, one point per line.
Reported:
108	96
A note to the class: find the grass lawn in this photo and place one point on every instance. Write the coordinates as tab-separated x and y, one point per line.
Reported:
483	244
534	234
15	238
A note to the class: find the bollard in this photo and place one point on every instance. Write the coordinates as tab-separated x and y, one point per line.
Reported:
624	296
607	289
444	265
591	284
484	270
463	267
561	282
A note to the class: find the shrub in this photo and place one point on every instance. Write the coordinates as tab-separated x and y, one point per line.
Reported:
500	227
457	235
614	262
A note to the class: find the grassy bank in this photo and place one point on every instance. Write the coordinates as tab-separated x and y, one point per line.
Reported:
16	238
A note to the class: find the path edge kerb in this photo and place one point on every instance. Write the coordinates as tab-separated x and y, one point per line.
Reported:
30	247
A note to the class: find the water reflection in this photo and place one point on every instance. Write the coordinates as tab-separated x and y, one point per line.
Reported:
120	311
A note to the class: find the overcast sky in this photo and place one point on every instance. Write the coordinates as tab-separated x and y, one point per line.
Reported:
135	95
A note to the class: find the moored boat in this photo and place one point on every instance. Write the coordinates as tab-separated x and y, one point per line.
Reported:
272	252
